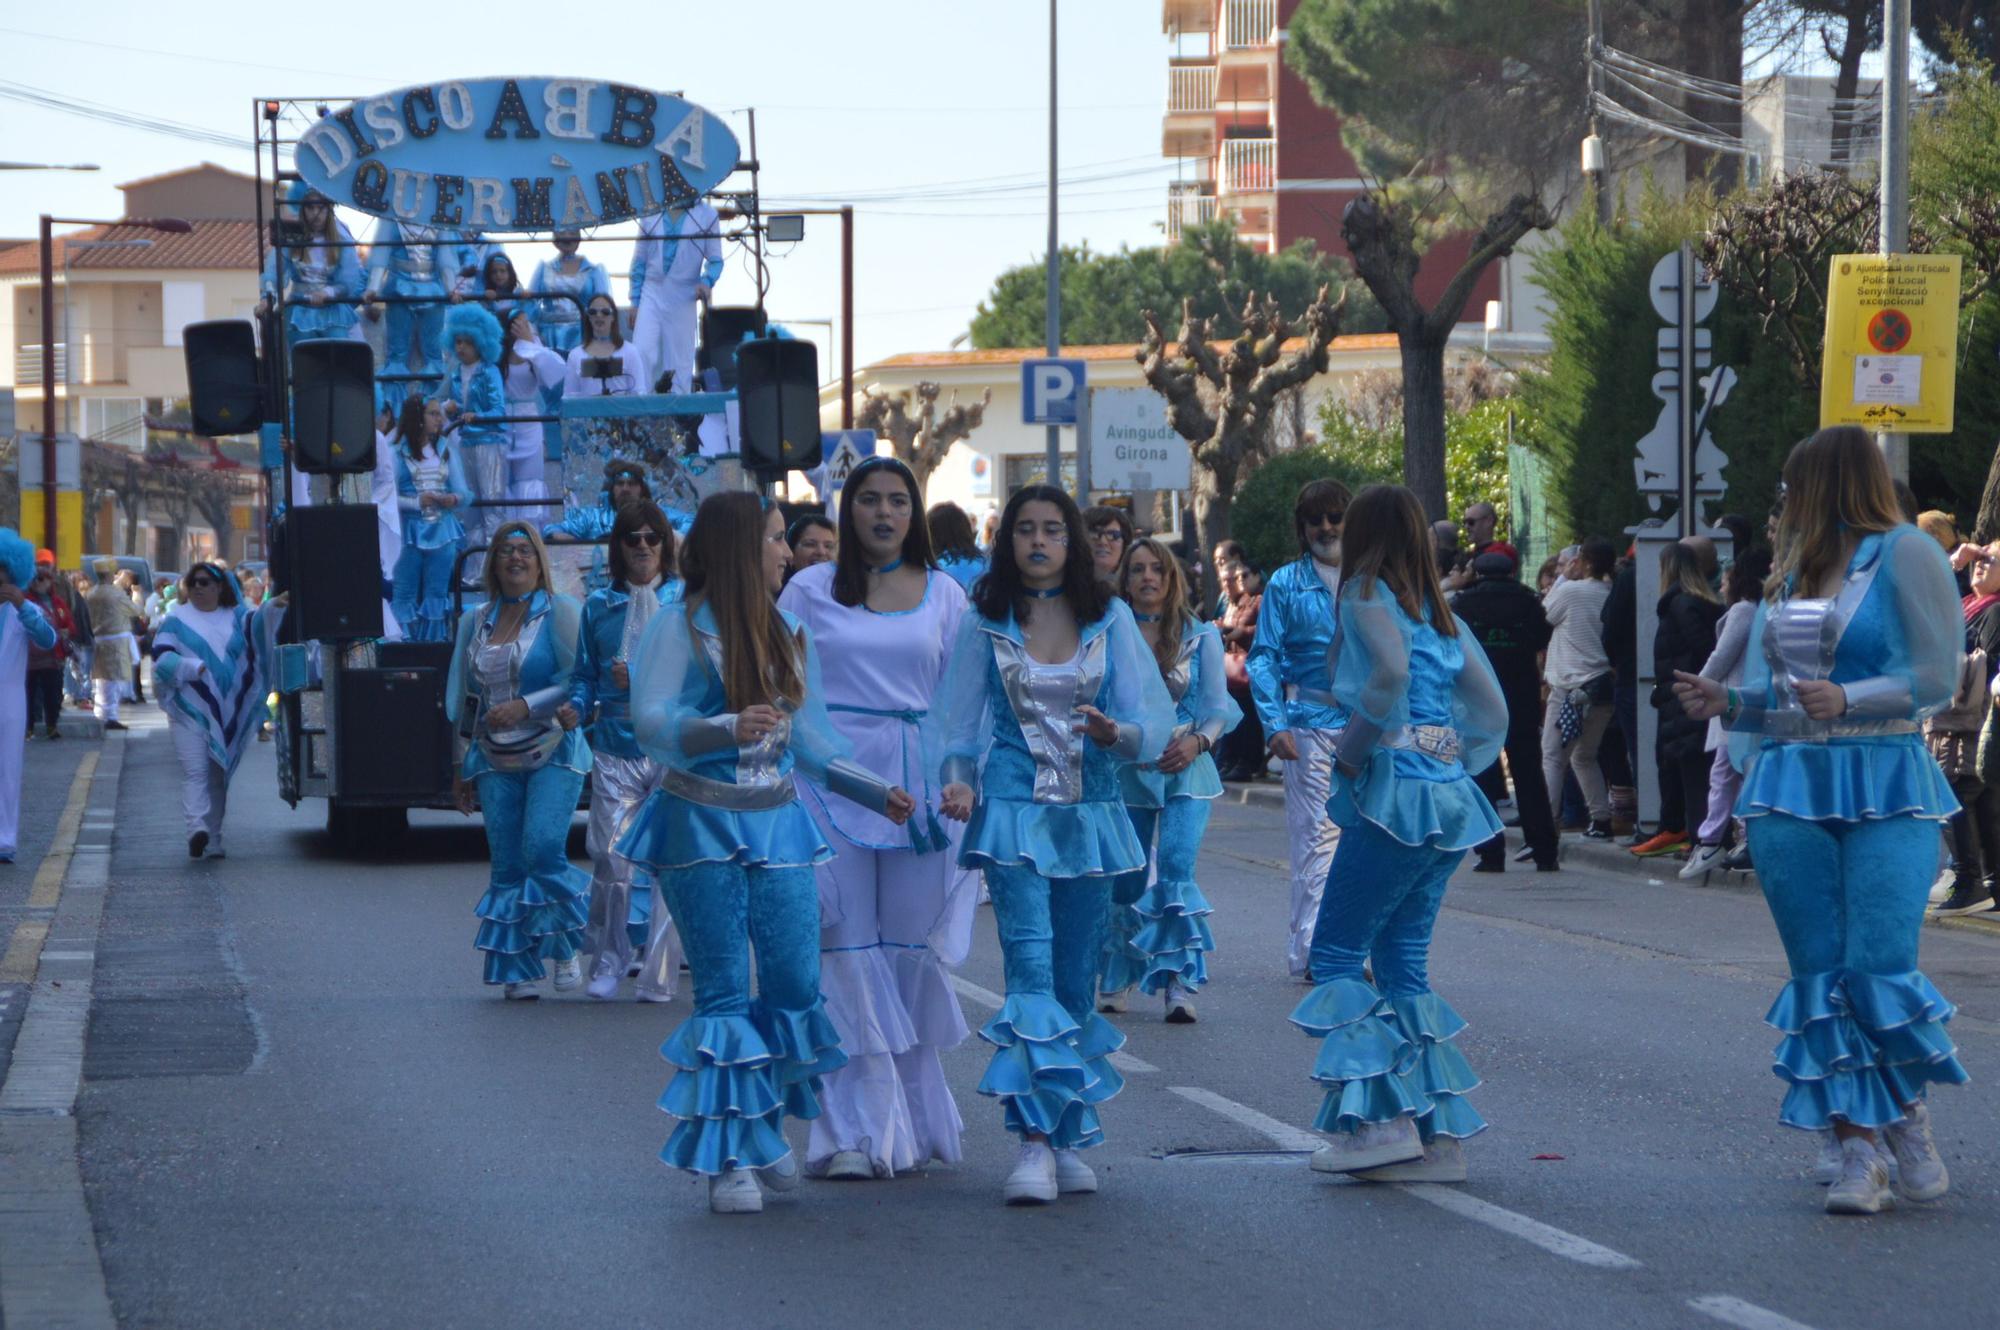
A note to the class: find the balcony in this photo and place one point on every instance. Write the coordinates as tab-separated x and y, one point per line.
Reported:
1249	25
1249	166
1189	129
1190	88
1179	16
28	365
1187	206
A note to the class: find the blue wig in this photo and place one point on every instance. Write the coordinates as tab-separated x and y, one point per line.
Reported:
17	557
477	326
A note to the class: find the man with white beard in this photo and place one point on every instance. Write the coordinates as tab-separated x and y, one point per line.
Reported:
1289	680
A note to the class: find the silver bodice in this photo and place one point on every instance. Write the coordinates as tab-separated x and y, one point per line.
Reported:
556	281
1044	699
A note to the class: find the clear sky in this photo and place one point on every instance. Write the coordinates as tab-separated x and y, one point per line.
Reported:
900	106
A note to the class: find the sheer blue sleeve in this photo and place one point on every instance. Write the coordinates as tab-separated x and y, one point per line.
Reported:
677	704
816	745
960	724
1136	696
1478	707
1922	670
455	481
1215	711
1370	667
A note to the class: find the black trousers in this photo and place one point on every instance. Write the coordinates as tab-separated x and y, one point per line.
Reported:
1241	752
45	695
1531	793
1975	828
1684	791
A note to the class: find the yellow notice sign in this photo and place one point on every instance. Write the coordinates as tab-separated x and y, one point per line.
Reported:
1891	342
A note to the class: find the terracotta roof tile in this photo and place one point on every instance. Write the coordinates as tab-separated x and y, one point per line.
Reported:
211	245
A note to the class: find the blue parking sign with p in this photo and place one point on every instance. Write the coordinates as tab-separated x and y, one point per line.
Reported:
1051	391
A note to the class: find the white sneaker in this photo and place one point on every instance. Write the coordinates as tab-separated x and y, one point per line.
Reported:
1073	1175
735	1193
1826	1168
568	974
1443	1161
1920	1172
1942	887
522	992
1112	1002
1863	1186
1033	1181
649	995
1370	1145
849	1166
781	1176
1180	1005
1705	860
604	978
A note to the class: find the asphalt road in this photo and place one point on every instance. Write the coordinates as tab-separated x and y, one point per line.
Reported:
301	1108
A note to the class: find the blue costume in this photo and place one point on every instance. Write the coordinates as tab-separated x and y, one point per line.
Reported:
1159	935
1425	713
621	899
1843	820
1288	682
962	570
1051	831
530	775
594	524
432	539
477	393
403	260
315	270
559	323
735	851
20	627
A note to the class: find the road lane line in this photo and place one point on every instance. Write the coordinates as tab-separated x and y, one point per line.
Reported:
1549	1239
24	952
49	876
986	997
1744	1315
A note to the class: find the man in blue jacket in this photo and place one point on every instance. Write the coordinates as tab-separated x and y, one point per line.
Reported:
1292	690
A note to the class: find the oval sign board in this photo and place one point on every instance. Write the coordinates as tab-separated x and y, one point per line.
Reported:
517	154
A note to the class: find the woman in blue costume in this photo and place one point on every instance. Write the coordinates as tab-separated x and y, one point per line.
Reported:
508	700
1159	935
414	263
615	619
1425	711
727	700
958	555
560	321
212	658
1859	638
475	400
431	491
323	271
1049	691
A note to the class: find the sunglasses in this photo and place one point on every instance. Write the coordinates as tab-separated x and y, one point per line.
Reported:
602	313
197	583
634	539
1326	519
1108	536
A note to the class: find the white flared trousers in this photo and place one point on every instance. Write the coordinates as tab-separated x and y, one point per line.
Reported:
665	331
1313	835
204	782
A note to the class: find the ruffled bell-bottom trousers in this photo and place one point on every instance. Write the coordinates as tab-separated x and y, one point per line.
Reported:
1160	934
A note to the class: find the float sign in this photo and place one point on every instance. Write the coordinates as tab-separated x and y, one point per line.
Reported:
1891	342
516	154
1132	447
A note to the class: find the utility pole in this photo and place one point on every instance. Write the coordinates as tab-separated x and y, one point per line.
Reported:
1895	220
1054	328
1593	144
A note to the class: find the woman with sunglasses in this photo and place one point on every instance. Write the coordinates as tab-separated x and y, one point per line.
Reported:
615	618
1050	689
884	619
604	364
212	662
1159	935
22	625
474	400
728	700
431	493
1424	711
521	751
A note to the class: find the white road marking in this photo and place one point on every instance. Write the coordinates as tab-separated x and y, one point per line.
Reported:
986	997
1552	1240
1746	1315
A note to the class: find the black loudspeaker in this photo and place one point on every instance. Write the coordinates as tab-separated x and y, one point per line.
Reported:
722	331
380	705
777	391
336	574
333	403
224	396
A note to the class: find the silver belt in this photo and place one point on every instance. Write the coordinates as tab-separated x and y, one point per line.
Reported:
727	794
1793	727
1438	741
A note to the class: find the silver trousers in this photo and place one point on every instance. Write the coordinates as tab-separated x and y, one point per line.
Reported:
1313	835
618	786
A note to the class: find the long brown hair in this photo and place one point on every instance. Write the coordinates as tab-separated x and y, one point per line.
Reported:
1834	483
639	515
850	570
1680	570
1174	611
1387	538
722	563
1002	591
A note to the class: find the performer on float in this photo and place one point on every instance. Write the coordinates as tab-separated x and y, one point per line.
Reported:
521	750
474	400
498	284
475	255
431	491
22	624
1050	688
624	482
1301	718
1424	711
676	263
532	377
212	662
958	552
884	619
409	260
560	321
728	700
1159	935
1859	638
622	909
323	273
604	364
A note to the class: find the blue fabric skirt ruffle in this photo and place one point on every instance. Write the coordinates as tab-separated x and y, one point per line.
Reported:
445	533
1385	1058
671	832
1859	1047
1162	938
1846	780
1093	838
1145	787
1051	1072
523	924
639	912
737	1077
1415	809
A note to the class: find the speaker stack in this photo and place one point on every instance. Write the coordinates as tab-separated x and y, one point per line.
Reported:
224	396
333	405
336	571
777	391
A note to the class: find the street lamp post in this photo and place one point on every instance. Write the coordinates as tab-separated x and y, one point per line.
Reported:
164	225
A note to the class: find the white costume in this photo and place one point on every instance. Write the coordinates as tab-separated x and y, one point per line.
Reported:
525	380
635	374
18	626
893	913
675	256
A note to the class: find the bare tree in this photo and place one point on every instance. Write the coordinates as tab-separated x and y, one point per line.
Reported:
916	432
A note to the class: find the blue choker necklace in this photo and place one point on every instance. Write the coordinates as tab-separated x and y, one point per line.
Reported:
1049	593
888	567
506	599
1145	618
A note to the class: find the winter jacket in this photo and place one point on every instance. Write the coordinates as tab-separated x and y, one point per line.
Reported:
1621	624
1506	617
1684	640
